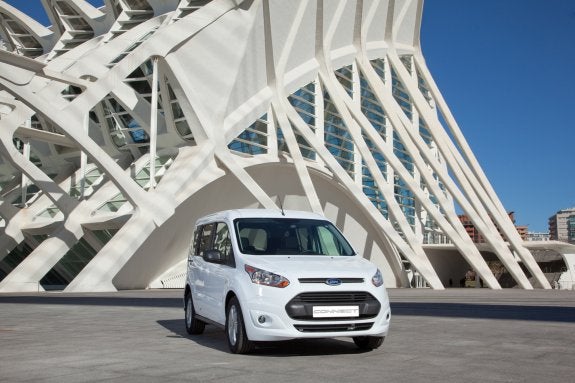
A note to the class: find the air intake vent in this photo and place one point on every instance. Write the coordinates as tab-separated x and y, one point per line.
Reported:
338	327
323	280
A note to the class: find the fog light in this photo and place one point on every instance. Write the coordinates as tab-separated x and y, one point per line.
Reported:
262	319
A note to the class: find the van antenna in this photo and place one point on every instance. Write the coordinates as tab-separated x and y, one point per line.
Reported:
281	206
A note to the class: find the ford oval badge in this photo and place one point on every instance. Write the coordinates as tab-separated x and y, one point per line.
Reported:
333	282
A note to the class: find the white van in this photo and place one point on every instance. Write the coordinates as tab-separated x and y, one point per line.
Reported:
266	275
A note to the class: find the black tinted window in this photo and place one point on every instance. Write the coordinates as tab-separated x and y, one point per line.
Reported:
223	243
205	239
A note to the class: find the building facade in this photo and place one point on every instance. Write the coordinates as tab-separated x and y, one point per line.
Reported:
120	126
476	236
562	225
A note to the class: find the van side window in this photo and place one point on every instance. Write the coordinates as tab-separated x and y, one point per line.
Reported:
205	239
223	243
194	247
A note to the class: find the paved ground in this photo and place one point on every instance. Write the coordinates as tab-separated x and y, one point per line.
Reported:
459	335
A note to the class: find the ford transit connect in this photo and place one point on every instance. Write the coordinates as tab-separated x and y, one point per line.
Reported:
265	275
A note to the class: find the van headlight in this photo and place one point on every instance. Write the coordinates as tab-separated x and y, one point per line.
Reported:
377	279
266	278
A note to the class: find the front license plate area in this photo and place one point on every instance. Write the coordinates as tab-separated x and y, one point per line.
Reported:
335	311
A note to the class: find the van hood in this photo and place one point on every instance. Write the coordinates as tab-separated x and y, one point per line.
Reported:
306	266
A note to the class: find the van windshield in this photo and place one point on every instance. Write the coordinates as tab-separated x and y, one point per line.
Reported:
288	236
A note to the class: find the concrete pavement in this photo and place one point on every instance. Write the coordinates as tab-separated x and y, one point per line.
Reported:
456	335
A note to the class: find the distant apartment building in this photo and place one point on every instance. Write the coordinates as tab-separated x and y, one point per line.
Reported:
562	225
571	229
537	237
476	236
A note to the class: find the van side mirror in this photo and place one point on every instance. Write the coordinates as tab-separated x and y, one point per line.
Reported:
213	256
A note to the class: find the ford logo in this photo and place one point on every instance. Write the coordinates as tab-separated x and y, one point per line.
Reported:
333	282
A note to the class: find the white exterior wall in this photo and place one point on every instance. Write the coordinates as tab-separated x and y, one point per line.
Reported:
221	68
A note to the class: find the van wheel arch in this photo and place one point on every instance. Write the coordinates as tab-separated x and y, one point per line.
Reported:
229	296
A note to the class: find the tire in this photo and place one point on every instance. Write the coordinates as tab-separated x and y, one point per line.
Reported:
368	342
238	341
193	325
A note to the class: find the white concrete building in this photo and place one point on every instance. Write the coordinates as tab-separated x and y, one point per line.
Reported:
538	237
326	106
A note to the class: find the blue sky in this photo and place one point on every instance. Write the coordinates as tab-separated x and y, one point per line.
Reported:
506	69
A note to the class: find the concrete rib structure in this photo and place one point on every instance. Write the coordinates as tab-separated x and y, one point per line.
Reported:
325	106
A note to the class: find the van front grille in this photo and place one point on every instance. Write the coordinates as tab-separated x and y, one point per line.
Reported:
301	306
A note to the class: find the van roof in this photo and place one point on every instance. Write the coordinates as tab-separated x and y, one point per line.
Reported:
230	215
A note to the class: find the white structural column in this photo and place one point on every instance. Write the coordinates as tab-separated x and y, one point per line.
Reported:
412	250
420	262
26	154
404	130
84	158
417	255
490	232
460	239
276	72
484	224
299	163
69	119
244	177
8	126
154	123
327	77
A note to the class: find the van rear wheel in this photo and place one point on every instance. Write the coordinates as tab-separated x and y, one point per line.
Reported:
193	325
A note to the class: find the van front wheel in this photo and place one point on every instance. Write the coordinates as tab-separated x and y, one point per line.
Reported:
368	342
238	341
